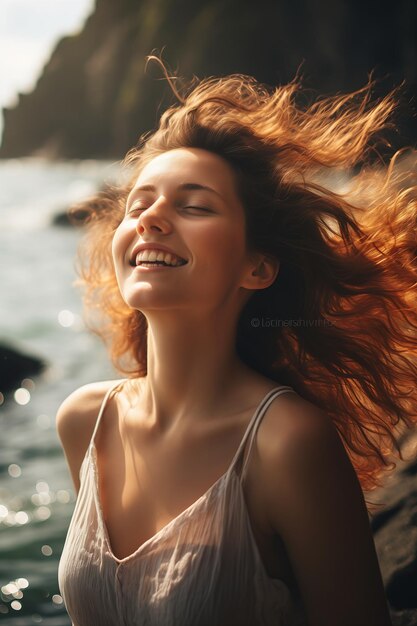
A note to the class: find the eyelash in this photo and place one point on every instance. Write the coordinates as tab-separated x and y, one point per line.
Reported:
199	208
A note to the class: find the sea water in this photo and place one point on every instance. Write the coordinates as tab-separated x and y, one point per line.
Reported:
41	315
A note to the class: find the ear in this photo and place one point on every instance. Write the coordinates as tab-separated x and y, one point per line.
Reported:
263	270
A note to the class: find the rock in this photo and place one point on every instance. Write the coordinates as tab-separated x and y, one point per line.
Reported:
395	535
70	218
94	99
15	366
80	213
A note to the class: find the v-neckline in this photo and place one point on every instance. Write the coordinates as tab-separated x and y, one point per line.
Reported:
161	531
278	582
92	451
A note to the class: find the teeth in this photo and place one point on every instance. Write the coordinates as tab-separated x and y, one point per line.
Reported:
158	255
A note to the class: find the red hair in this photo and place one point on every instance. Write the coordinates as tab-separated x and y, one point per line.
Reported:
339	322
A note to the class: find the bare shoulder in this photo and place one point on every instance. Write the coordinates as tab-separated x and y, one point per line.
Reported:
291	435
297	445
75	421
313	500
293	425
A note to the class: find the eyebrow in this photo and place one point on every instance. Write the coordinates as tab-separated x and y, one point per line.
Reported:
182	187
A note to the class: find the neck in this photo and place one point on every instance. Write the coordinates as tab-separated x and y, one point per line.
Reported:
192	367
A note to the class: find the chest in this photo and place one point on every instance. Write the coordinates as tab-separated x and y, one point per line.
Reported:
144	486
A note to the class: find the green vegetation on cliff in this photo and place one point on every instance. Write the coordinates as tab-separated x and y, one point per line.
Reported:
94	98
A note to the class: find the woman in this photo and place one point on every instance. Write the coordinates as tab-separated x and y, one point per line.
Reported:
267	328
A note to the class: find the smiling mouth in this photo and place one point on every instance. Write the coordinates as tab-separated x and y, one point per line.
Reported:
169	259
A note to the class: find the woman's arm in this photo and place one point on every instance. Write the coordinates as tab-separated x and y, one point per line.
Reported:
315	502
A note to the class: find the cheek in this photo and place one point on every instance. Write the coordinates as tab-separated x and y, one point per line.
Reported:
119	246
226	245
115	246
123	234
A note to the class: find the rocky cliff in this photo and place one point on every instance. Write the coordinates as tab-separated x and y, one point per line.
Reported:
395	534
94	99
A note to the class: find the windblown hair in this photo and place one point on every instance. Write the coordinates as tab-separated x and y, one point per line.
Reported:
339	323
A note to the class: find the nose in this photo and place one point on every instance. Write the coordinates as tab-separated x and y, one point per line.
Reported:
154	218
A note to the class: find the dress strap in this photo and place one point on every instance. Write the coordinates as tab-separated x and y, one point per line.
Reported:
257	419
102	407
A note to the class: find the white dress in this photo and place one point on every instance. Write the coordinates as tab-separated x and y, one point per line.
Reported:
202	569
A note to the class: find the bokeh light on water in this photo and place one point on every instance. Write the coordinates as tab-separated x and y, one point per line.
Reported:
66	318
22	396
42	315
14	470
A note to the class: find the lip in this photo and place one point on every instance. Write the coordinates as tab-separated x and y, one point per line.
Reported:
152	246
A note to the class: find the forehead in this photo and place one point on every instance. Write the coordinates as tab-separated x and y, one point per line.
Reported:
190	165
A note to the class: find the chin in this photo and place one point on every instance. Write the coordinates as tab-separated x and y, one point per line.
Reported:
142	303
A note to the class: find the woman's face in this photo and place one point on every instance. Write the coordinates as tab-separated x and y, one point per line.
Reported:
184	200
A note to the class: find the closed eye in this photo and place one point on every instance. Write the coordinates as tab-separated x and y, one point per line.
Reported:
135	209
198	208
